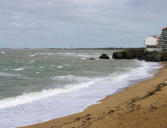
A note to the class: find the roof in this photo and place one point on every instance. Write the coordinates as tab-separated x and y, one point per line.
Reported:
164	29
155	37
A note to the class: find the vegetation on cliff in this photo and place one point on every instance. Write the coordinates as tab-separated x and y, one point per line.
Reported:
140	54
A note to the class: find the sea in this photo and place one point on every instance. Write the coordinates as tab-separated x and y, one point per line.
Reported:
38	85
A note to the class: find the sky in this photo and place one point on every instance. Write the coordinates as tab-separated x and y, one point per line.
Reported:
80	23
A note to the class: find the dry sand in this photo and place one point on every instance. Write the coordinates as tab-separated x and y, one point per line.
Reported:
141	106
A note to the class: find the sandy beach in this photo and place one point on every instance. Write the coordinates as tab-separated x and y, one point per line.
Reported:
141	106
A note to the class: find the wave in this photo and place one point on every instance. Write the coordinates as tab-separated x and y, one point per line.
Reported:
32	55
9	74
16	75
83	82
71	78
60	67
3	52
83	56
18	69
80	55
34	96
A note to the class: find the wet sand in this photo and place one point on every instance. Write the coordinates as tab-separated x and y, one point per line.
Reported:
141	106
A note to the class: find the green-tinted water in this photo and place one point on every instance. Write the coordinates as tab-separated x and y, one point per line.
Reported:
33	70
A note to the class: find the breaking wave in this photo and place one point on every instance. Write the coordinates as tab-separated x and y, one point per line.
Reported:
83	82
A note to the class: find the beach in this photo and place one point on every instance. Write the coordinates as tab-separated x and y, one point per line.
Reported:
51	84
83	64
141	106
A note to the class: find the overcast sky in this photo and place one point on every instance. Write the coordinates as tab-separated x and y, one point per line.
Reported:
80	23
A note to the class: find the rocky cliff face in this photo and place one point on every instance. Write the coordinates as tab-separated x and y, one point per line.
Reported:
140	54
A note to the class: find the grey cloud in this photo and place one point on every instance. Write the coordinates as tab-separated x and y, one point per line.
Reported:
81	23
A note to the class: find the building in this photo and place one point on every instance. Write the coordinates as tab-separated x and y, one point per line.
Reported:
152	43
163	39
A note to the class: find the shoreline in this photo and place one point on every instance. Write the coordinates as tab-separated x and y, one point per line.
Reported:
118	109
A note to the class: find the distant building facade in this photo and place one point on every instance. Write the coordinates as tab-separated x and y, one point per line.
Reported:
152	43
163	39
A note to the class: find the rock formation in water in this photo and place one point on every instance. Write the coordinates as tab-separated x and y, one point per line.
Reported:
104	56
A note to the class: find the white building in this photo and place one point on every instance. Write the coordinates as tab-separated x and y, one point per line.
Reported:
152	43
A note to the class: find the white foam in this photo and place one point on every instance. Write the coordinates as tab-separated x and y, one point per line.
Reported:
2	52
55	100
16	75
72	78
34	96
32	55
9	74
133	74
60	67
48	54
18	69
83	56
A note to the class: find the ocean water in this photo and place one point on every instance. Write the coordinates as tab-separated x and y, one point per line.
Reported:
37	85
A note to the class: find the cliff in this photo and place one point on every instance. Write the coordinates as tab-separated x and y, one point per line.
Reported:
140	54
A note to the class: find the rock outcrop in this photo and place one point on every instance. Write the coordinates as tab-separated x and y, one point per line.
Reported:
92	59
118	55
140	54
104	56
